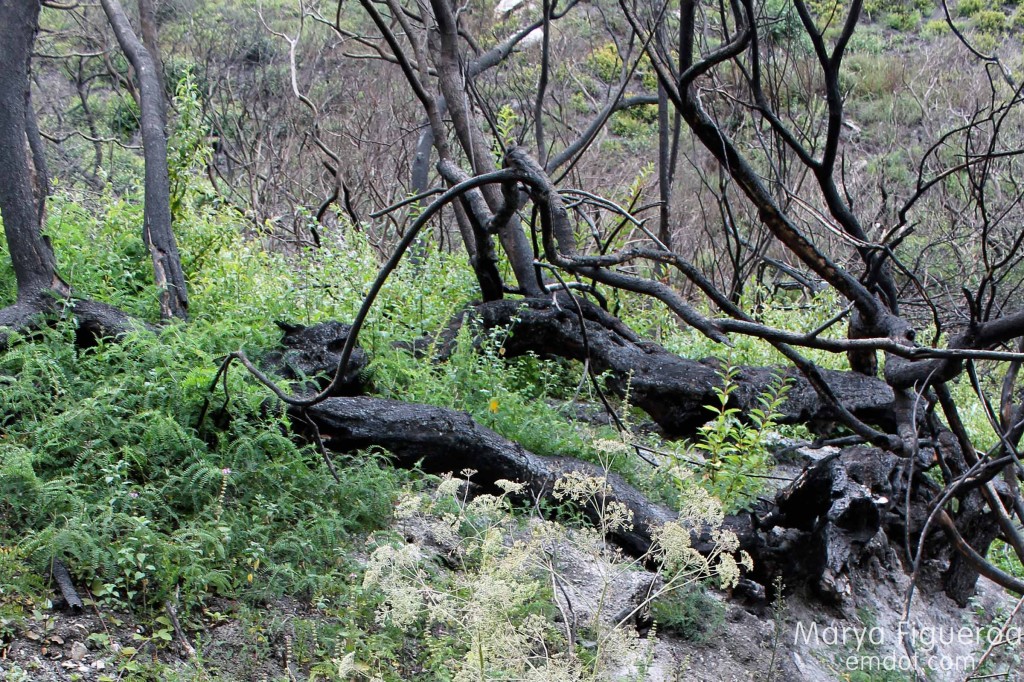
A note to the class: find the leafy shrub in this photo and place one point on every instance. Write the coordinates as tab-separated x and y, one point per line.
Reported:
606	62
903	20
636	122
991	21
691	613
936	27
968	8
734	445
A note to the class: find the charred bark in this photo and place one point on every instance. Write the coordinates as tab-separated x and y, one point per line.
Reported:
156	231
673	390
312	354
41	291
67	588
23	190
151	35
829	522
442	440
93	320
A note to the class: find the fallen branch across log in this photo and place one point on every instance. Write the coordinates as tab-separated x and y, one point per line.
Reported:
672	389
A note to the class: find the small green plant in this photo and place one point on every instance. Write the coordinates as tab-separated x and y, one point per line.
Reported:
968	8
936	27
124	117
992	21
507	122
903	20
692	613
779	611
734	445
606	62
635	123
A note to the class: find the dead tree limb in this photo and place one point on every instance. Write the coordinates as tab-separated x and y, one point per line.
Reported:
673	390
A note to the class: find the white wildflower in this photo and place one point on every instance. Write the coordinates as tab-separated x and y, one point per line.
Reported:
448	487
617	516
700	507
510	487
728	571
675	550
408	506
579	487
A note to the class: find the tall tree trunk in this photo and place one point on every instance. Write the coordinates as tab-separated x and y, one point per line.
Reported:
151	38
451	80
24	186
157	231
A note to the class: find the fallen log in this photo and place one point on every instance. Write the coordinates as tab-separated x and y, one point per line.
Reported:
93	320
819	531
672	389
440	440
844	513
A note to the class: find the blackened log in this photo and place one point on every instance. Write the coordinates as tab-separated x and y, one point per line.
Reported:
672	389
67	588
94	320
442	440
312	354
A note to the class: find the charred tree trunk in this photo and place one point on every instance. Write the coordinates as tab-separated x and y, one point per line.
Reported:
151	38
156	232
23	189
673	390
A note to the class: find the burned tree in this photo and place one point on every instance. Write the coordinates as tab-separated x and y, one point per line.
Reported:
156	231
716	65
24	191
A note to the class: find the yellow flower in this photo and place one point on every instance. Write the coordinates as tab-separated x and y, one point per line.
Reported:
493	405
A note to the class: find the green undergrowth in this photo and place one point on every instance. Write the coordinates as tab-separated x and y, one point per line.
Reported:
107	466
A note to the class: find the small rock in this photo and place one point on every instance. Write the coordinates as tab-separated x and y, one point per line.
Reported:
78	651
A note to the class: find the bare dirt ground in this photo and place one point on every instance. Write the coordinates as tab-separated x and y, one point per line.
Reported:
801	641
